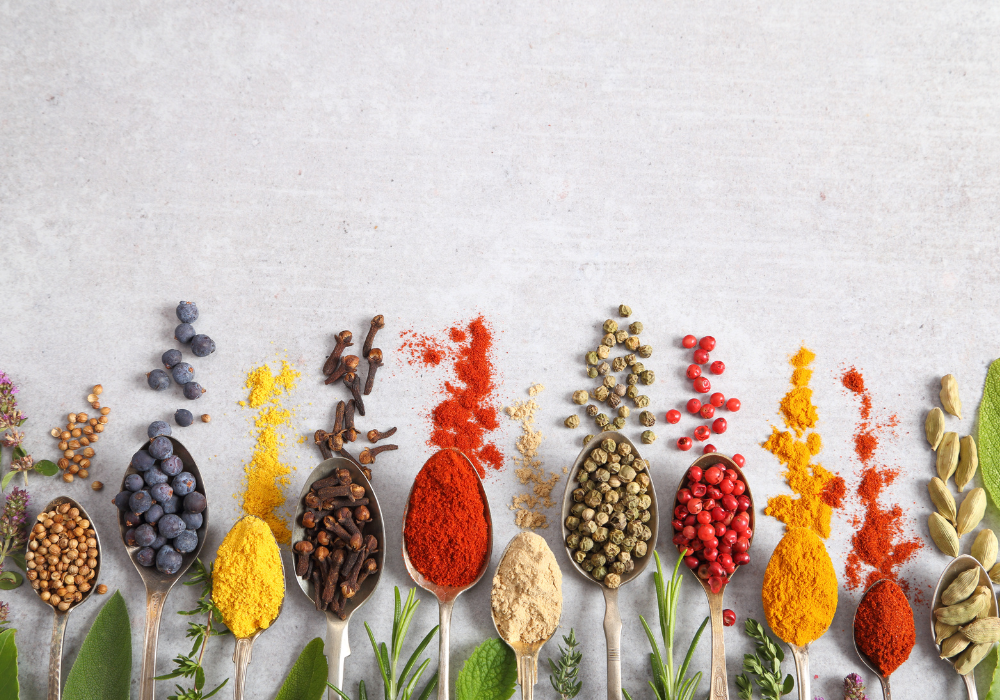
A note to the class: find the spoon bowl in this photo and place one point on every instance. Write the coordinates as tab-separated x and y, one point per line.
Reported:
337	642
883	680
612	616
446	595
719	686
959	564
157	583
61	616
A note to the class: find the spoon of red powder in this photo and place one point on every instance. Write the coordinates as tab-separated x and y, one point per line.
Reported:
883	630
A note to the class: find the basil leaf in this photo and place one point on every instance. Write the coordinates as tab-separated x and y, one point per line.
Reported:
489	674
307	679
103	667
9	580
989	434
18	558
47	468
8	666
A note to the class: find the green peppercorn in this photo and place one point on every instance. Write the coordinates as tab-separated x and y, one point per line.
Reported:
609	445
602	420
618	364
609	381
599	573
600	393
587	528
612	581
598	558
624	311
610	326
611	549
572	522
592	358
603	351
602	475
628	459
579	557
617	568
647	419
593	498
609	340
580	397
589	466
640	549
599	455
572	421
621	336
638	368
579	495
600	534
592	372
620	390
627	474
648	437
601	518
592	410
628	544
618	423
632	343
645	351
573	540
603	368
630	359
579	509
587	438
641	401
624	449
586	544
648	377
635	328
632	488
624	411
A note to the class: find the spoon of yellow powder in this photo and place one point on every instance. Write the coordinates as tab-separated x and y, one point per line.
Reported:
248	586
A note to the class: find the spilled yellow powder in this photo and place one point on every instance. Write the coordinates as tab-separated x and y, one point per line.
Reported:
806	479
266	475
526	506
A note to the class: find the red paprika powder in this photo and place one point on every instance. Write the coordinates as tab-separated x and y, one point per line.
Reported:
883	626
445	533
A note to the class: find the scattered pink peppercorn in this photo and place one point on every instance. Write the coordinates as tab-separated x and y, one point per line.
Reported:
728	617
702	385
673	416
684	444
733	405
701	433
693	406
693	371
718	367
700	356
708	449
739	459
707	411
707	343
719	426
717	399
689	341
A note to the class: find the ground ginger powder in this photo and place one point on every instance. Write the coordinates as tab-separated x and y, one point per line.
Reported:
248	583
528	468
266	475
527	591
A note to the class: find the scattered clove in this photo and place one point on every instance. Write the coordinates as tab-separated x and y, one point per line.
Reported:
377	323
347	366
374	362
374	435
343	342
367	455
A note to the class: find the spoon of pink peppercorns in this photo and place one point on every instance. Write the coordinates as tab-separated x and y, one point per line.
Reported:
713	522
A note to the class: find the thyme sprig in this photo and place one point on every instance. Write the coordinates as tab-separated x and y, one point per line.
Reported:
189	666
765	665
564	672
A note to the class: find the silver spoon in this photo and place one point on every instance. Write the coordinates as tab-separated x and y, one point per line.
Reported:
719	686
958	565
446	595
62	616
526	653
158	584
612	616
884	680
244	645
336	629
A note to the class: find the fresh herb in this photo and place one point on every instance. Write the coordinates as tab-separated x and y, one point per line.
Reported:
11	419
13	536
989	434
104	665
403	685
489	674
189	666
307	679
8	663
668	683
564	672
765	665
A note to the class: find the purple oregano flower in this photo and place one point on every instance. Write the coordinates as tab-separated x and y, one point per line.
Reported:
12	521
854	688
10	416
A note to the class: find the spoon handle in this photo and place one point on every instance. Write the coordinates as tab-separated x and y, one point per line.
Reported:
55	656
444	643
970	685
154	610
241	656
340	649
802	678
719	689
888	696
527	674
613	636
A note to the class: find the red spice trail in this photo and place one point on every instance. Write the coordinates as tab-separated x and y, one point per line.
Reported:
423	349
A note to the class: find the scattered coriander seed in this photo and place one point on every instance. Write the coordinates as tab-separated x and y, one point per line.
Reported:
91	398
603	351
580	397
592	358
648	377
641	401
603	368
592	410
83	474
647	419
632	343
98	389
623	412
618	423
97	486
102	589
635	328
55	432
95	404
620	389
105	411
592	372
587	438
63	445
68	477
646	351
618	364
88	452
573	421
624	311
610	326
609	381
205	418
648	437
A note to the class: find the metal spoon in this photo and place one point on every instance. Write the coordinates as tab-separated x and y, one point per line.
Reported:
612	616
244	645
62	616
446	595
158	584
336	629
526	653
957	566
884	680
719	686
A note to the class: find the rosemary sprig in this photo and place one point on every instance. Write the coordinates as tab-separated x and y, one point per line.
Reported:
765	665
564	672
189	666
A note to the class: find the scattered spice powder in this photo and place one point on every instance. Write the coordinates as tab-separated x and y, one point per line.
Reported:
878	542
423	349
818	490
529	467
266	475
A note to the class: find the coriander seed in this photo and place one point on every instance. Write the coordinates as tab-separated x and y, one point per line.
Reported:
98	389
205	418
573	421
97	486
55	432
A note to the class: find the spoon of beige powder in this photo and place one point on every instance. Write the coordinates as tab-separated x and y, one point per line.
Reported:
527	603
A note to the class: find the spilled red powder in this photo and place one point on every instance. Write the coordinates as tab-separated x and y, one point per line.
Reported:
879	547
834	491
423	349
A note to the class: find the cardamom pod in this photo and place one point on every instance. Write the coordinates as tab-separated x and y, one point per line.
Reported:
995	573
984	548
949	395
955	644
934	427
966	611
947	456
968	462
942	499
971	657
961	588
971	512
942	631
983	631
943	534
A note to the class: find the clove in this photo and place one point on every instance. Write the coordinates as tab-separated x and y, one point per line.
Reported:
347	366
338	421
343	342
368	455
374	435
377	324
374	362
353	382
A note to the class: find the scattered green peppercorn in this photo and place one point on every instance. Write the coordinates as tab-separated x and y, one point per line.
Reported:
632	392
648	377
609	381
635	328
610	326
621	336
603	351
613	400
601	393
638	368
601	420
618	364
646	418
620	389
632	379
641	401
645	351
632	342
580	397
592	358
609	340
592	372
603	368
630	359
623	411
609	445
648	437
587	438
573	421
618	423
592	410
624	311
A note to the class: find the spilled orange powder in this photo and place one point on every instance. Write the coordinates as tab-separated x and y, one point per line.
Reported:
815	487
266	475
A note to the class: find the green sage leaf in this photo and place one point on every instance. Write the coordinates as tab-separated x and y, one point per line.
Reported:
989	434
104	665
6	479
9	580
47	468
489	674
307	679
987	678
8	666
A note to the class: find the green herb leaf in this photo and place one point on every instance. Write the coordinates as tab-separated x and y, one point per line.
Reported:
489	674
989	434
987	678
9	580
18	558
46	468
307	679
8	666
6	479
19	453
104	665
789	684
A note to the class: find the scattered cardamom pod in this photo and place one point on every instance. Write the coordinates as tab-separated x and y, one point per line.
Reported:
971	512
984	548
947	456
966	611
961	588
968	462
942	499
983	631
949	395
943	534
995	573
934	427
954	644
971	657
943	630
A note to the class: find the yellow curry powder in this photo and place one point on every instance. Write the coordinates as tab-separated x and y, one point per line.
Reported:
266	475
800	588
248	583
816	488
